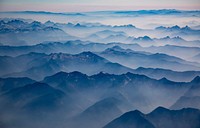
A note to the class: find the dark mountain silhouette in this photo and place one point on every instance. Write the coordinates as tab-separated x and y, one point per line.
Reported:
133	119
159	118
145	88
102	80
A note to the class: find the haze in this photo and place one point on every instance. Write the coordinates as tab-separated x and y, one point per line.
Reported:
96	5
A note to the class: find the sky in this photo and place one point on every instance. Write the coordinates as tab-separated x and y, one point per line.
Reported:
96	5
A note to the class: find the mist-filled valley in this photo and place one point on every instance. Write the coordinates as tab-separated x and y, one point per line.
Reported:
104	69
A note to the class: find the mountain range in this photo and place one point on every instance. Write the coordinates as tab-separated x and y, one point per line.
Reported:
82	96
137	59
104	69
40	65
112	60
159	118
17	32
23	31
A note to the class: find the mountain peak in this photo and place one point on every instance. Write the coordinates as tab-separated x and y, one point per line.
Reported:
144	38
74	73
116	47
113	49
178	38
176	27
165	80
88	54
132	115
186	28
36	23
49	23
196	80
79	25
166	38
132	119
102	74
160	28
159	110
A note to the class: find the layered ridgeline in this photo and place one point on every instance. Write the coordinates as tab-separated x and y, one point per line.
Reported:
38	61
113	60
92	75
74	99
17	32
77	46
21	32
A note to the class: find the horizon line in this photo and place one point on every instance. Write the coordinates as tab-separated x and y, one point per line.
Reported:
15	11
91	8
